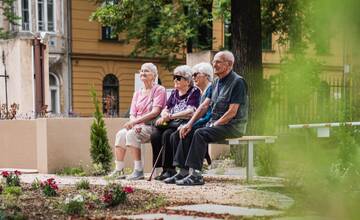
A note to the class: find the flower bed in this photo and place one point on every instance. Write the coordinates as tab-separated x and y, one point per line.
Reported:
46	200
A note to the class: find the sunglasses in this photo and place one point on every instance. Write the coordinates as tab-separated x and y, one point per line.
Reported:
178	78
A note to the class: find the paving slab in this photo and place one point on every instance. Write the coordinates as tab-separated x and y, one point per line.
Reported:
165	217
226	209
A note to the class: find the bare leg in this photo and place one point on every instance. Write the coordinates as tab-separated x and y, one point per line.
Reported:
135	152
120	153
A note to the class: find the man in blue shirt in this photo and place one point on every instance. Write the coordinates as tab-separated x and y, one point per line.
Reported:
229	102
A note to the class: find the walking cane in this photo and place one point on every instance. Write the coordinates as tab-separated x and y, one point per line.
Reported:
157	159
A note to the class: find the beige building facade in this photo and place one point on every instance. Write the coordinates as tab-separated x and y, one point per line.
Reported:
46	20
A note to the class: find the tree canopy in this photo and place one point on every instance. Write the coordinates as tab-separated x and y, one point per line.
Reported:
164	27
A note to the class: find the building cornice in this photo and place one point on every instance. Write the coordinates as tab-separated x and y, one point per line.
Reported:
108	57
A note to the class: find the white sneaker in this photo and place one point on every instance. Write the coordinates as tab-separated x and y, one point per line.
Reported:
136	175
117	174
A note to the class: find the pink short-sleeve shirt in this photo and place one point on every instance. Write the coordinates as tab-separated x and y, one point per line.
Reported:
142	104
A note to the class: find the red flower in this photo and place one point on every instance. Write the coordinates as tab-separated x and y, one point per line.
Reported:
107	198
5	174
17	173
128	189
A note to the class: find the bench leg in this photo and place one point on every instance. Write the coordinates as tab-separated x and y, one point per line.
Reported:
250	161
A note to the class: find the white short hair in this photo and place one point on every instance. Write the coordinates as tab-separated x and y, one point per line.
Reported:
151	67
185	71
204	68
227	55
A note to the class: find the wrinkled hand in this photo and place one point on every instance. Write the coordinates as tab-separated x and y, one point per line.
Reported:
165	114
184	130
129	125
160	121
137	129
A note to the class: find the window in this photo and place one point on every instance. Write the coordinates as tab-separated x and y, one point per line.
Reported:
25	15
45	15
106	34
54	86
111	95
106	31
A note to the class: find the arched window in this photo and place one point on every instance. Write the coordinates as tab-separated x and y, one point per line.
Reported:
111	95
54	86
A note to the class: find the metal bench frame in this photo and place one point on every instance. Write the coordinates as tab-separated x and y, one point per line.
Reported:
250	141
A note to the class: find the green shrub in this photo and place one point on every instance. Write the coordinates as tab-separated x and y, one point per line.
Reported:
83	184
12	190
100	150
266	159
72	171
74	206
11	196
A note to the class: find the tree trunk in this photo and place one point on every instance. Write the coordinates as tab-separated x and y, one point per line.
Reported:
246	46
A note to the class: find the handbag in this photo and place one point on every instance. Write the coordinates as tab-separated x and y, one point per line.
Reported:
173	124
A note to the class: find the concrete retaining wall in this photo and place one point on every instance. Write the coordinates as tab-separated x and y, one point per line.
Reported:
50	144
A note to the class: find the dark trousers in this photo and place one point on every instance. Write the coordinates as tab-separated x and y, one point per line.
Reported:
202	137
181	148
160	137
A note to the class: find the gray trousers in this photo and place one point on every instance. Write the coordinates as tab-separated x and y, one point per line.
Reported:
202	137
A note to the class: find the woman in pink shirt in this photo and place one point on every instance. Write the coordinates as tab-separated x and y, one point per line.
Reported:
146	105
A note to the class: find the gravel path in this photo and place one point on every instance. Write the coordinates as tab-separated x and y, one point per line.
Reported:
217	190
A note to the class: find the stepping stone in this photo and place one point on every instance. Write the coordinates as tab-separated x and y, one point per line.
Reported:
23	171
166	217
225	209
303	218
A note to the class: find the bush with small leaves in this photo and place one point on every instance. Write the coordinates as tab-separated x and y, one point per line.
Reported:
83	184
10	196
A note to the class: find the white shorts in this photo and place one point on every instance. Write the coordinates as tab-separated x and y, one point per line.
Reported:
126	138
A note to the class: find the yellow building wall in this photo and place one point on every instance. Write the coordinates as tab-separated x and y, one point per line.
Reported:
91	72
93	59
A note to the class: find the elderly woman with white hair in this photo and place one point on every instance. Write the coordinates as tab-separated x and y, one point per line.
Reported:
146	105
202	76
180	106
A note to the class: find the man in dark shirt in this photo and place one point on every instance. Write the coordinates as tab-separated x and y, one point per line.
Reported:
229	102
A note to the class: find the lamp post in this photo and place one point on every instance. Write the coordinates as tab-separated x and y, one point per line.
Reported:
6	78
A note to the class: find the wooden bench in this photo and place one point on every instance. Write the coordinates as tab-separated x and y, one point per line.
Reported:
250	141
244	140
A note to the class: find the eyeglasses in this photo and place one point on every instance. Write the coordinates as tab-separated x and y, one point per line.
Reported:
178	77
